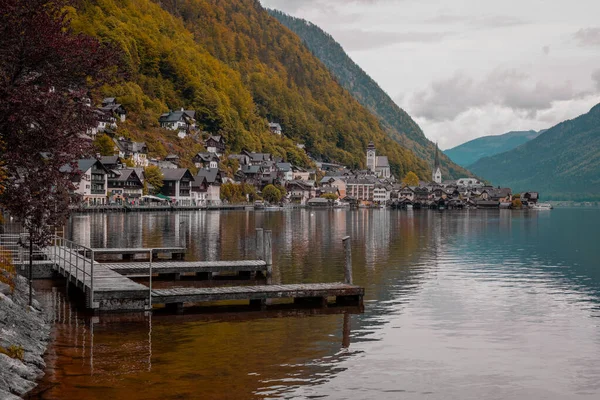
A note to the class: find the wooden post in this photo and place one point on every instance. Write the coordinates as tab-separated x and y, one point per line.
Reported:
268	252
150	281
348	266
260	237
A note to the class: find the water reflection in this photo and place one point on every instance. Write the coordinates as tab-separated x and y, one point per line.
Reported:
471	304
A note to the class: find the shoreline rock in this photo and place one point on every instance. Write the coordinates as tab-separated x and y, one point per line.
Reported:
21	328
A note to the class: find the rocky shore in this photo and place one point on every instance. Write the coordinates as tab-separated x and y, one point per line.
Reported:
24	335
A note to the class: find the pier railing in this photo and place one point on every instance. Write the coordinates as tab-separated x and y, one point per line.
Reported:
76	261
15	247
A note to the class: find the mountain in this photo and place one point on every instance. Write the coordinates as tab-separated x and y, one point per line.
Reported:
239	68
563	163
469	152
398	124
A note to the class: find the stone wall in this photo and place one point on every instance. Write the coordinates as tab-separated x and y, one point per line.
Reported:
21	327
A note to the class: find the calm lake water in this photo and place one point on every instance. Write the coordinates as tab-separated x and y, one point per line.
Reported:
459	305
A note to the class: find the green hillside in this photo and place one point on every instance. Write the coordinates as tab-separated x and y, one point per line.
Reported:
397	123
486	146
563	163
239	69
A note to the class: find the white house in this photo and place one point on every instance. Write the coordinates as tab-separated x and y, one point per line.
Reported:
181	121
381	194
275	128
137	151
90	179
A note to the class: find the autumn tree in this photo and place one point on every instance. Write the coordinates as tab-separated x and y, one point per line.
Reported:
271	194
153	176
104	145
330	196
46	73
411	179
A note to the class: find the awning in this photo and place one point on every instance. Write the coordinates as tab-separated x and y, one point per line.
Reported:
163	197
150	197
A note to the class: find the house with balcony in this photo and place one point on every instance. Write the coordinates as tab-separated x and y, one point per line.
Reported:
206	160
177	184
206	188
125	185
215	144
90	179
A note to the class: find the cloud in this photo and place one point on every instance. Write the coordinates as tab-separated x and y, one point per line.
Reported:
596	78
491	119
546	50
447	98
485	21
360	39
588	37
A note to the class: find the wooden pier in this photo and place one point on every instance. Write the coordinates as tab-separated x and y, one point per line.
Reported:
106	288
181	267
316	293
103	288
176	253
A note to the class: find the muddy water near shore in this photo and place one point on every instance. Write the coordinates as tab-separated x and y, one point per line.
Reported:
468	304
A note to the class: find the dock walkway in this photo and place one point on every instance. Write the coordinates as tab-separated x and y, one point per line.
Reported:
188	266
319	292
103	287
176	253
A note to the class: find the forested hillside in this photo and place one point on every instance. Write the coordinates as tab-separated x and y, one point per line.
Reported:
486	146
563	163
239	69
397	123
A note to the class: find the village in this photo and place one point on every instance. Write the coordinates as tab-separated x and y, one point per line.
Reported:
261	179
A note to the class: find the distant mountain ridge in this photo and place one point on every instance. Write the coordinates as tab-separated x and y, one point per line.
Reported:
399	125
486	146
563	163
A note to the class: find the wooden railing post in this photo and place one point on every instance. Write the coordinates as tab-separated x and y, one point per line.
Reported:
260	238
91	280
348	264
268	252
150	282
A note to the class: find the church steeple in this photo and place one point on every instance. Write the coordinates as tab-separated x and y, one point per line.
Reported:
436	173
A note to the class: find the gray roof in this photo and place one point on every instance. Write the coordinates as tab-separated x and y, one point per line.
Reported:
124	175
251	169
174	116
284	167
209	174
173	174
83	165
109	160
206	157
382	161
275	125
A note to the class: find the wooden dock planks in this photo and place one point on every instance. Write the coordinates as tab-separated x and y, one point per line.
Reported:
260	292
188	266
108	284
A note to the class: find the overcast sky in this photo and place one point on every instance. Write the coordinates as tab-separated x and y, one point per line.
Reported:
470	68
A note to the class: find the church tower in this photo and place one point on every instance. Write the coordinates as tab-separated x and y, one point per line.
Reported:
371	157
436	175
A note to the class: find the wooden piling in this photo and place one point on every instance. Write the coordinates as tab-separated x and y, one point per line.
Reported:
268	252
260	239
348	266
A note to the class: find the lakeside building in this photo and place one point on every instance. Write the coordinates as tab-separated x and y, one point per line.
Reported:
90	179
379	165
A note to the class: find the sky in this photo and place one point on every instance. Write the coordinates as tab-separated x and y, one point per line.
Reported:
470	68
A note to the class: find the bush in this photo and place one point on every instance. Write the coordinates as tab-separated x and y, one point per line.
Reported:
16	352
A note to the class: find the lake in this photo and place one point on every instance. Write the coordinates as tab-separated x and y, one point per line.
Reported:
459	305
